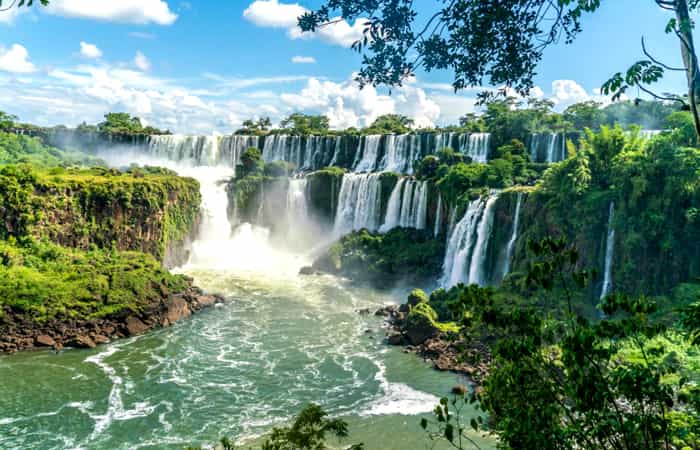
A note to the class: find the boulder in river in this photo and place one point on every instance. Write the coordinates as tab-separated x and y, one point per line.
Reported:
135	326
44	340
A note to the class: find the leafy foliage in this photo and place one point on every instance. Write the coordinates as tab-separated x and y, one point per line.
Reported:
483	42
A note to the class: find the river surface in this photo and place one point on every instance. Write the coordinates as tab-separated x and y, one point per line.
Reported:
238	369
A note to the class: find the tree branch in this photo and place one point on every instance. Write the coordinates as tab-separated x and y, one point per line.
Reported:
656	61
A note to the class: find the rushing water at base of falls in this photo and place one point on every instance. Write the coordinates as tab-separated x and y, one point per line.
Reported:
279	342
467	245
609	254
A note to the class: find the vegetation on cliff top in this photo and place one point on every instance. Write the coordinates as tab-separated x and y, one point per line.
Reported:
40	280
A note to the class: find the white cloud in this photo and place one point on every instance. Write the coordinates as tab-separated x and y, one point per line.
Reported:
304	60
125	11
346	105
273	14
16	60
90	50
142	62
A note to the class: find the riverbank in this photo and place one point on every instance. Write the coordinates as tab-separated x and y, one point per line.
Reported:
19	332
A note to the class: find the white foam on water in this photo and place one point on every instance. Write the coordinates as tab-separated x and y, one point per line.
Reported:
399	398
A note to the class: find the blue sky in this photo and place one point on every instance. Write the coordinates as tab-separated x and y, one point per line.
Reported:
205	65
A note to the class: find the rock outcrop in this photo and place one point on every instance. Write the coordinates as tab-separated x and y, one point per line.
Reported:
21	333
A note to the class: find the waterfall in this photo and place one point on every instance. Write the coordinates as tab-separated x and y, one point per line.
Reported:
478	146
609	251
393	209
548	147
648	134
408	206
369	149
438	217
513	237
297	211
401	152
201	150
467	245
358	203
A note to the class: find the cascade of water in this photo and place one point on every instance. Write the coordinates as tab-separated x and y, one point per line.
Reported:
336	150
438	217
477	273
513	237
421	209
408	206
548	147
609	251
478	145
467	245
370	153
459	246
401	151
407	203
648	134
451	220
358	203
297	209
393	209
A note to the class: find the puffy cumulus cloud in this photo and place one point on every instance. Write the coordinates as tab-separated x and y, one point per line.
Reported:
123	11
90	51
16	60
142	62
567	92
346	105
274	14
303	60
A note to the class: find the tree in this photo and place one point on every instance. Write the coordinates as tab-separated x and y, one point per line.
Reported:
495	42
7	5
648	71
587	114
306	124
484	42
391	123
559	381
7	121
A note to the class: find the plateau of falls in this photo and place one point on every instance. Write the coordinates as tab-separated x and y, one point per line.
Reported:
467	245
548	147
371	153
609	253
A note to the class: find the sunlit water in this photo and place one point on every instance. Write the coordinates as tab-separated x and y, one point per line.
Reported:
280	342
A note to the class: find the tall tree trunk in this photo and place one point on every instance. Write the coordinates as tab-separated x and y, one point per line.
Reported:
690	59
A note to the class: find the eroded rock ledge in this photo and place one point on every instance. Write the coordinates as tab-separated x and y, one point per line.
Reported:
19	333
445	351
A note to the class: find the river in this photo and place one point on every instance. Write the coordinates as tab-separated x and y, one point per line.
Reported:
279	342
